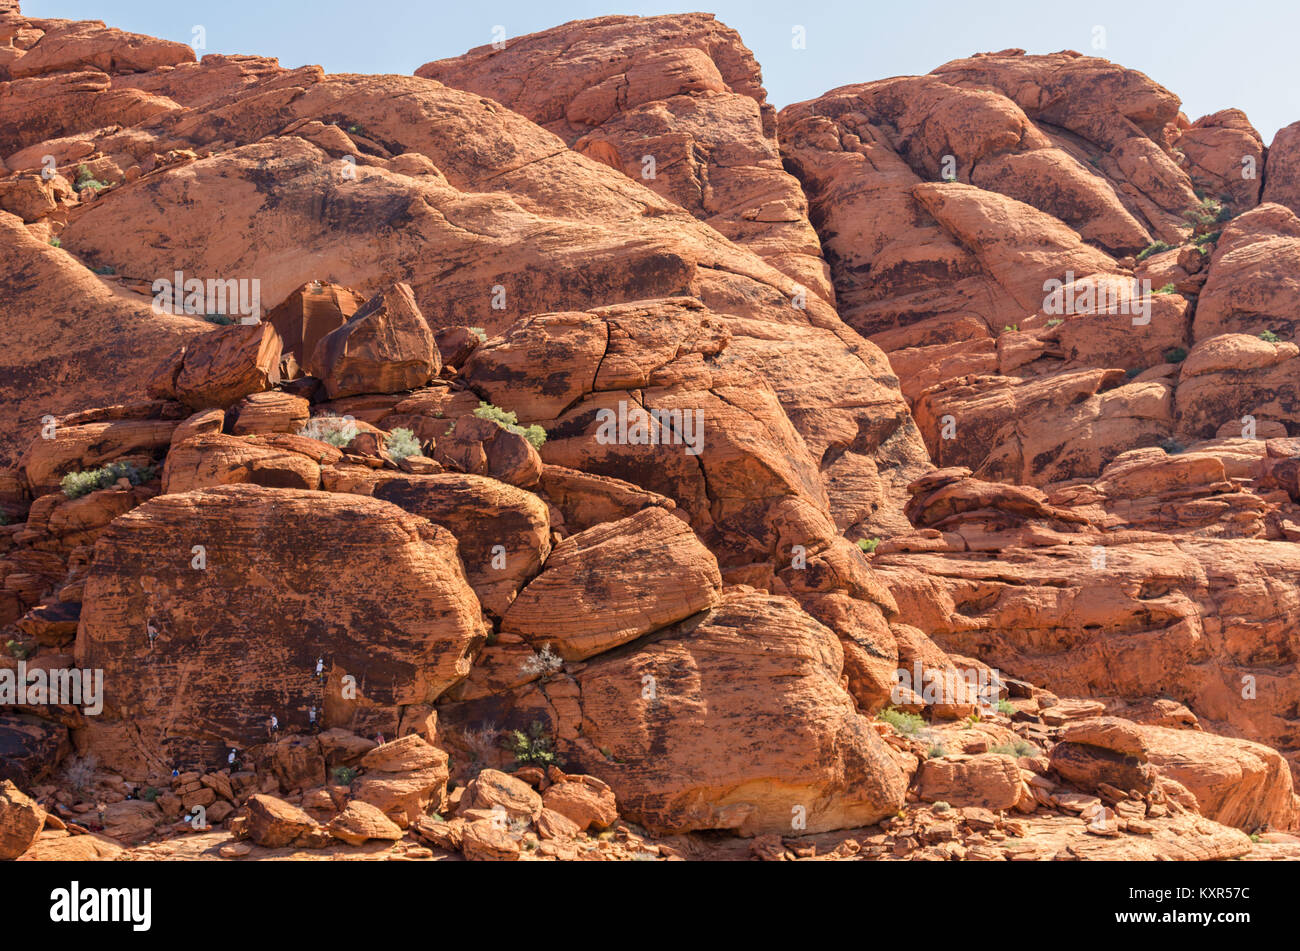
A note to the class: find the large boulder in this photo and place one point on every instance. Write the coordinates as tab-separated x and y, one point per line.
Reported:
21	820
384	347
615	582
1235	782
224	600
734	721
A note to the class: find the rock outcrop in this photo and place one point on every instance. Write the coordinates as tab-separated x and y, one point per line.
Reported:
561	454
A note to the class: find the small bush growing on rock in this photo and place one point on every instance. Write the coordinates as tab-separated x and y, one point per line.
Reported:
935	752
1005	708
55	243
1201	240
86	179
1175	355
17	649
480	333
401	443
221	320
1210	211
1131	372
510	422
1269	337
902	722
335	430
480	742
532	747
1055	322
4	518
77	484
1009	328
941	806
80	773
1017	749
868	545
1165	289
1154	248
343	775
542	664
150	794
1172	446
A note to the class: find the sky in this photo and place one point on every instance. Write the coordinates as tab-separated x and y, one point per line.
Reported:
1213	55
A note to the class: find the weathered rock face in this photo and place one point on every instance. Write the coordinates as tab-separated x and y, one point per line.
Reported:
1282	177
311	313
222	367
505	529
674	102
207	461
384	347
57	365
1253	285
975	231
634	576
1228	378
669	517
1198	620
744	722
20	821
1235	782
198	659
559	233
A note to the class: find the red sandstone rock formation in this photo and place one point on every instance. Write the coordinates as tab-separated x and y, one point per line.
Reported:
823	464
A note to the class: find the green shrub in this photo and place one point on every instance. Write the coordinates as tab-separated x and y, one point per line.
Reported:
18	649
1006	708
1269	337
1131	372
1210	211
510	422
935	752
531	747
221	320
86	179
1175	355
401	442
150	794
56	243
1008	328
1172	446
1056	321
1154	248
104	270
343	775
1166	289
1201	240
1017	749
77	484
903	722
868	545
335	430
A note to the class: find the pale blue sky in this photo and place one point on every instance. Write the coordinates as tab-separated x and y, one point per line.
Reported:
1211	54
